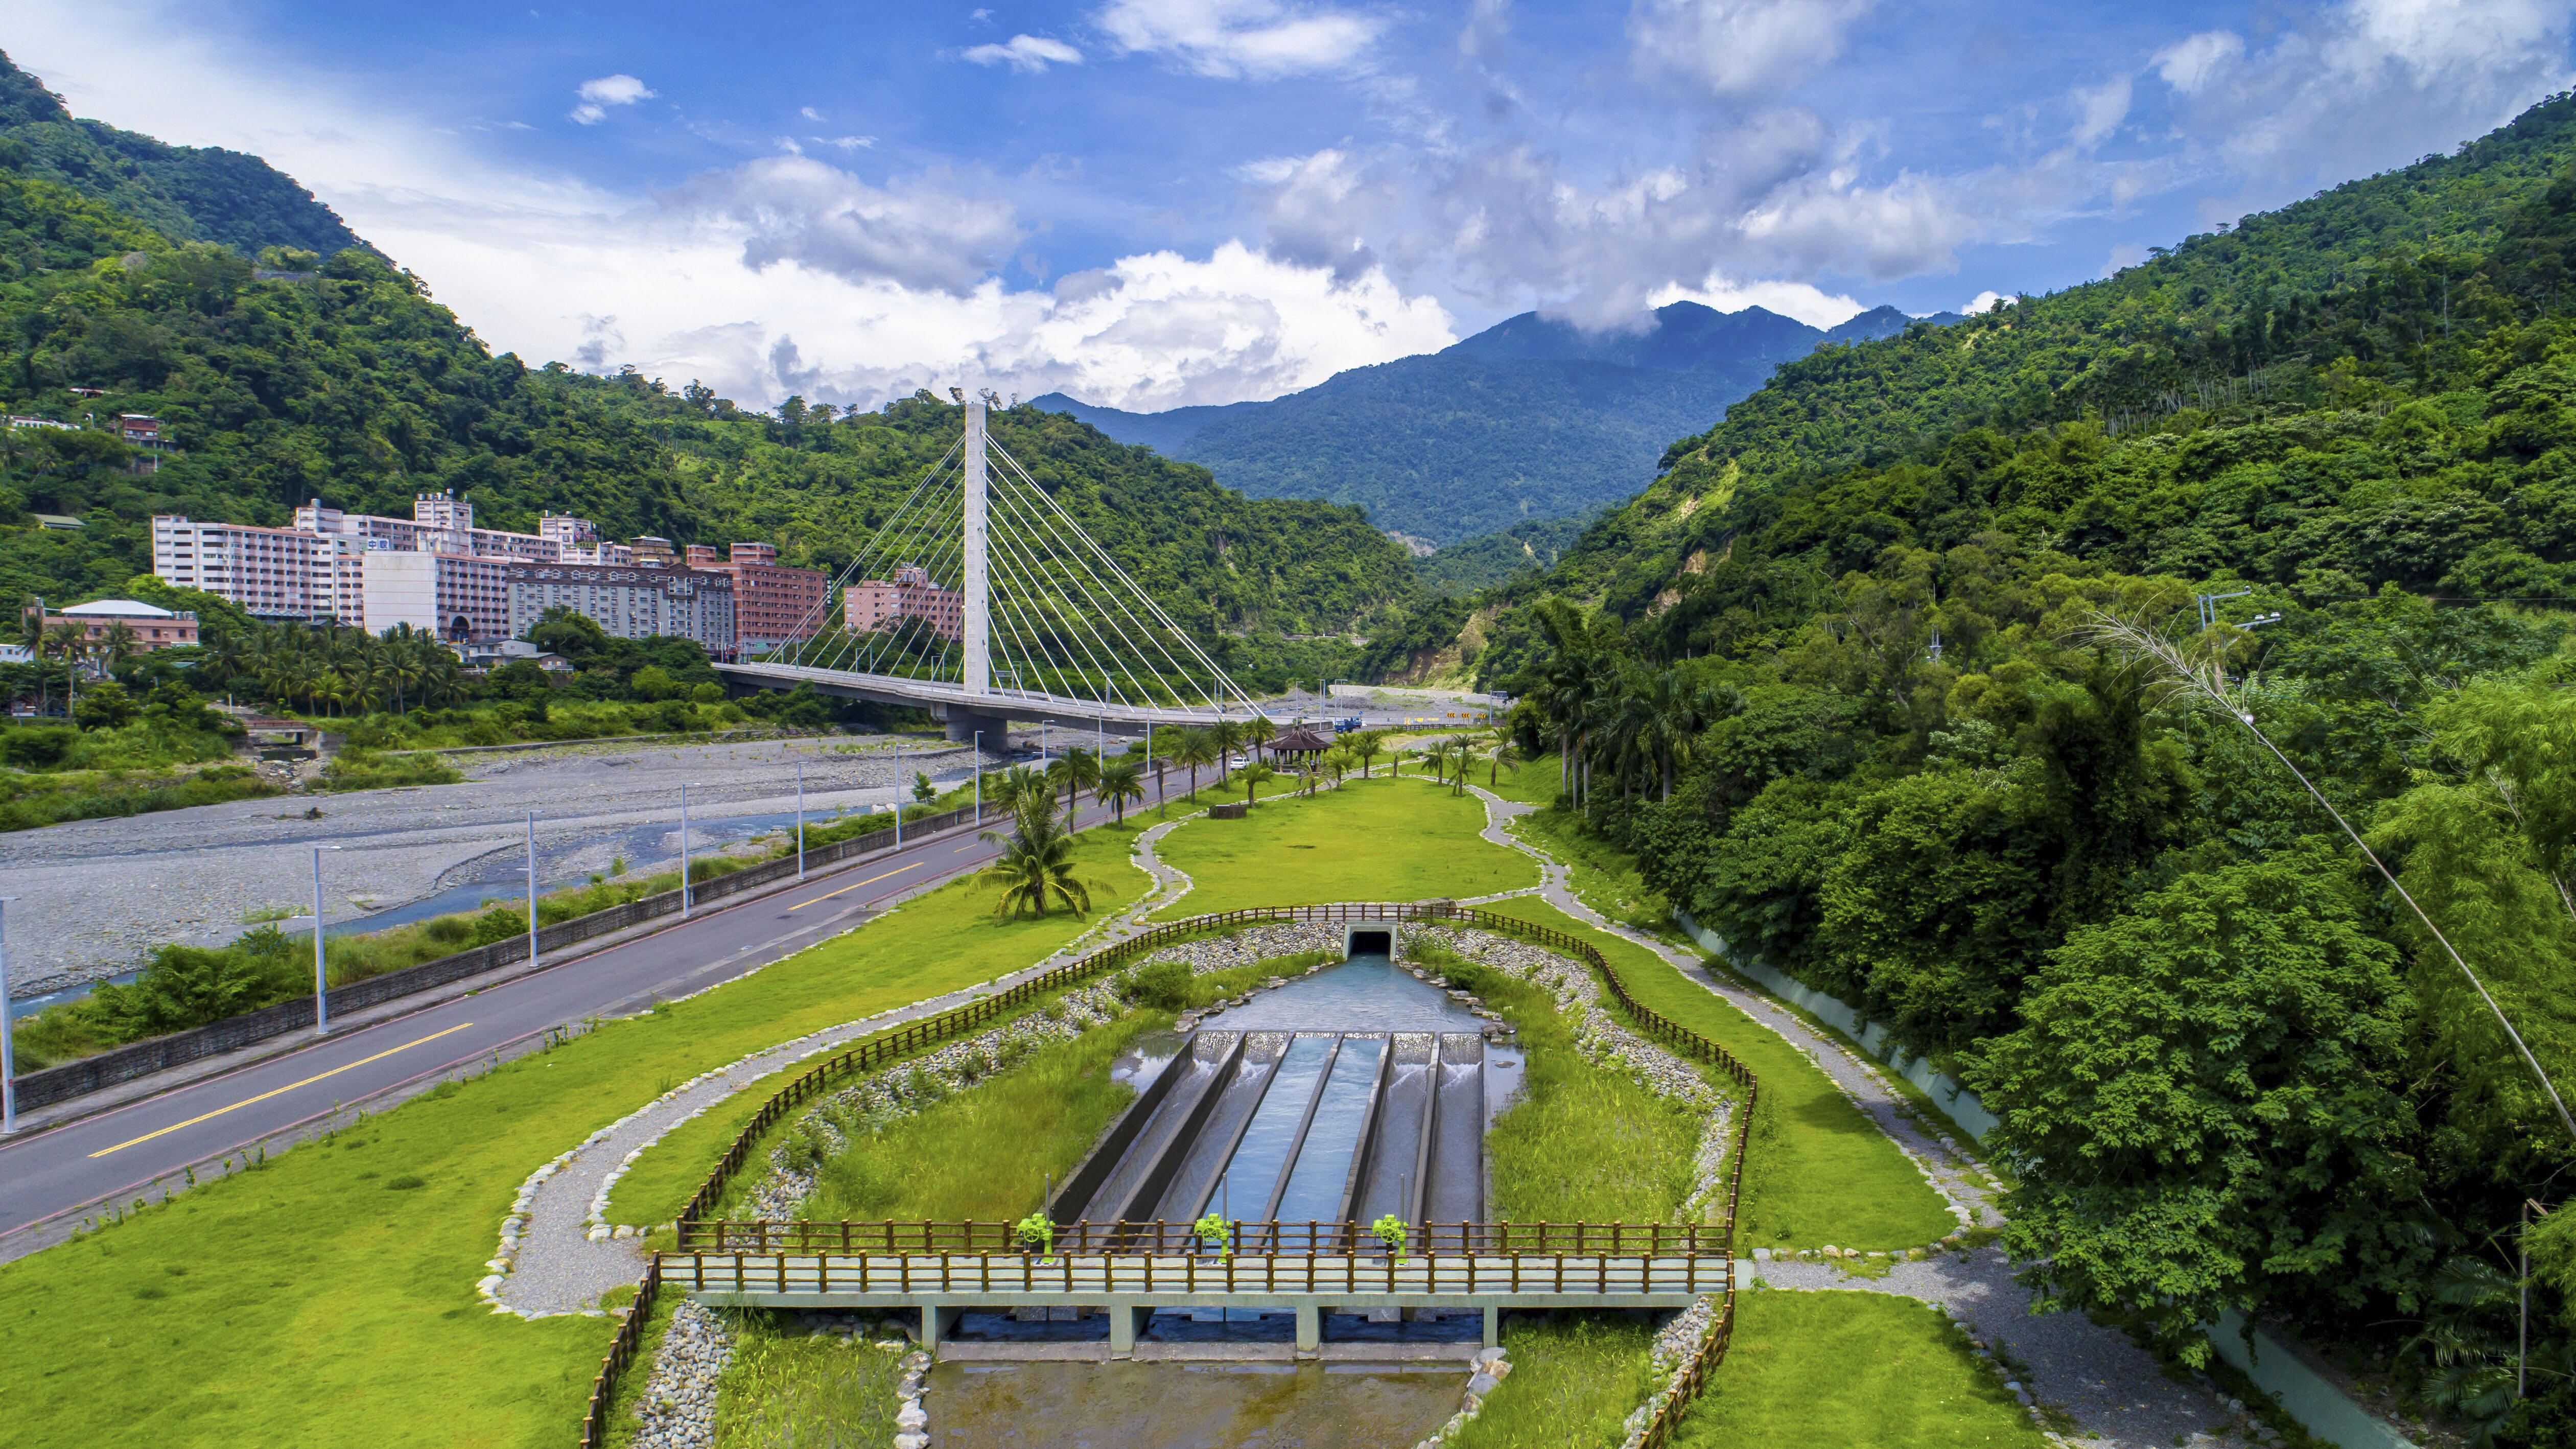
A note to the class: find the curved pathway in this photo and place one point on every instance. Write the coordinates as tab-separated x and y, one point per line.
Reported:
558	1251
2114	1391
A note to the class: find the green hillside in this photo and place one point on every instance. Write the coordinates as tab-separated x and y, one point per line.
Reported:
194	193
350	385
1840	680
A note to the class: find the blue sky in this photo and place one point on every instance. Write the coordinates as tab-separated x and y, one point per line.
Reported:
1150	203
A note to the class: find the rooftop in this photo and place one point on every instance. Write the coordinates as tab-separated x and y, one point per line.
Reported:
117	609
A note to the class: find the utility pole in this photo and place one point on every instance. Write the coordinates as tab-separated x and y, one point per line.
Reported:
978	631
800	819
532	890
321	984
8	1026
979	779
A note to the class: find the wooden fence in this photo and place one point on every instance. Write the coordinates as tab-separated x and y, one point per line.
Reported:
894	1045
1163	1239
1578	1279
124	1064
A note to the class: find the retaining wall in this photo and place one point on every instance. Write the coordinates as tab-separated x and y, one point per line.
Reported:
124	1064
1946	1093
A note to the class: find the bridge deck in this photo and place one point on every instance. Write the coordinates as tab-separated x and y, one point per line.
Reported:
948	695
1518	1280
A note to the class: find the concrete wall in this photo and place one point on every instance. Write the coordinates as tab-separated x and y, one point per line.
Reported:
1960	1103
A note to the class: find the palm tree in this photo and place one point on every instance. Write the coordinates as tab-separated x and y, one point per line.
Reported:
1005	791
1227	735
1258	733
1506	756
1120	781
70	641
1368	744
1077	769
1338	760
1252	775
1036	863
1197	747
118	644
31	632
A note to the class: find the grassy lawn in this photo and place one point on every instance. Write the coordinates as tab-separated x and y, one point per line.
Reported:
1371	840
1575	1377
1581	1145
1864	1370
1534	783
785	1389
1603	876
1819	1171
318	1300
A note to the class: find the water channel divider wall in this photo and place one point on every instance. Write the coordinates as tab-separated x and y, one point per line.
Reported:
694	1226
124	1064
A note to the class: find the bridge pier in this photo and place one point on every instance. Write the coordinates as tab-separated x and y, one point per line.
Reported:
938	1320
1128	1320
962	725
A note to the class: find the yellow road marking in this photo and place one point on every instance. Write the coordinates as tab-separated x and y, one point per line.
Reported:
289	1087
845	890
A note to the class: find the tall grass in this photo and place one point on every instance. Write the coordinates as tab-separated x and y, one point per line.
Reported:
1853	1368
788	1390
988	1152
1575	1378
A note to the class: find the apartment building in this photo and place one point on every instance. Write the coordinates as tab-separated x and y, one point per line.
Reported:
148	627
272	573
873	604
444	523
459	597
772	604
628	601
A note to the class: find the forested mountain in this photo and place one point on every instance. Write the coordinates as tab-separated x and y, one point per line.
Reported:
1530	419
348	384
1895	679
193	193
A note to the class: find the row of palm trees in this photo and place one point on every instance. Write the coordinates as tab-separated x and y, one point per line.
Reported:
335	670
1611	712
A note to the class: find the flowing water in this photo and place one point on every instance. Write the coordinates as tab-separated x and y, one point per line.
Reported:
1204	1406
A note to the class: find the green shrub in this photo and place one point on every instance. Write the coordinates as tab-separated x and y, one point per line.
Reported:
1163	986
449	930
39	747
500	923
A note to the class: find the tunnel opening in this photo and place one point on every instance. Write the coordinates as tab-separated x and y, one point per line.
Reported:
1367	943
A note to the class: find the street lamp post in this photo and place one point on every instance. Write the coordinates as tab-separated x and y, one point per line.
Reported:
321	983
532	890
979	779
684	852
800	819
8	1063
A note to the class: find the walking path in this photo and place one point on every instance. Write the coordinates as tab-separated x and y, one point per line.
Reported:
558	1250
2114	1391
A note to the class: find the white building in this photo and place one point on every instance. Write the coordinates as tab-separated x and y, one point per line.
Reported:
443	523
628	602
459	597
269	572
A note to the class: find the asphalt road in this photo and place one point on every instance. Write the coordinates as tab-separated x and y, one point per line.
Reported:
115	1153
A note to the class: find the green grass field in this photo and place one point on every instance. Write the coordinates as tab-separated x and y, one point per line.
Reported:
1818	1170
1575	1377
1371	840
1855	1370
313	1301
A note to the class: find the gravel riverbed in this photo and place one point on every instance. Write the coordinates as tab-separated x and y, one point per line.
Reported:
95	896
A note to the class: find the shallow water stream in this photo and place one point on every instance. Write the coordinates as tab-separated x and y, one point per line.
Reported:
1187	1406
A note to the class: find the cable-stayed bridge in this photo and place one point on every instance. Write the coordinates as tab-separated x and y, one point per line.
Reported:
982	600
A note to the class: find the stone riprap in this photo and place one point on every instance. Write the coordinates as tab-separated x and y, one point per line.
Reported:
678	1405
1493	1365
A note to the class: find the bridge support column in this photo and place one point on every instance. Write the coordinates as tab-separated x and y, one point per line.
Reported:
961	726
937	1322
1493	1328
1310	1327
1125	1323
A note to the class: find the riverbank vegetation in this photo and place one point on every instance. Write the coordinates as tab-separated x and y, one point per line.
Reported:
1853	1368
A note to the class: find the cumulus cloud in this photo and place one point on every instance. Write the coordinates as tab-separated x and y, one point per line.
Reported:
609	90
922	232
1809	304
2100	110
2363	86
1739	50
1027	54
1251	39
1983	301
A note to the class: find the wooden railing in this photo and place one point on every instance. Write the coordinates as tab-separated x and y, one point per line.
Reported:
621	1352
894	1045
1165	1239
1421	1272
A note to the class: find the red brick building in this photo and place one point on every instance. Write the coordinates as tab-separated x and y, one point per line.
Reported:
772	604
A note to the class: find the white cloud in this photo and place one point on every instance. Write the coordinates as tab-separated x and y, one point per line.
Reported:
2123	257
1809	304
1027	54
2364	86
811	114
1739	50
608	90
2100	110
1983	301
783	274
846	143
2188	65
1256	39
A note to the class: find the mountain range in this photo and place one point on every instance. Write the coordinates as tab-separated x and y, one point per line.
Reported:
1531	419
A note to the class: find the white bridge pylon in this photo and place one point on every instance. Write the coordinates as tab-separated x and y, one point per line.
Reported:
980	598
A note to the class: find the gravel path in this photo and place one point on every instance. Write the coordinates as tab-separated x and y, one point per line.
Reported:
95	896
2117	1395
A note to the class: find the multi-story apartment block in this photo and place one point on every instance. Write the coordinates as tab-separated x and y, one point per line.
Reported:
459	597
567	531
652	553
772	605
272	573
439	523
628	602
873	604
